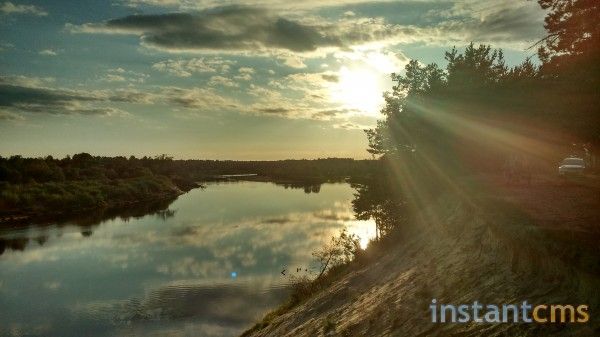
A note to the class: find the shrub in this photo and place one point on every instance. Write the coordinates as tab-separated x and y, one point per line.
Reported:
340	251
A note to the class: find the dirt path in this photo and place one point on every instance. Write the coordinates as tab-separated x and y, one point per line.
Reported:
564	205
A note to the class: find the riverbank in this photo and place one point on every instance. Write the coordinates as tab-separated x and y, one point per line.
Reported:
44	187
492	245
40	202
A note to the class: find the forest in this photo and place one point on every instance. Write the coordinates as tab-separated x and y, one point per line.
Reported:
477	112
446	130
82	181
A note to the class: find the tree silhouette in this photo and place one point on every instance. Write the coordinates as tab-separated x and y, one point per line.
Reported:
429	113
573	31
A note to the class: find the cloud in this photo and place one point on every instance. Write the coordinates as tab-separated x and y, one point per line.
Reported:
113	78
510	23
281	5
240	29
197	98
20	94
311	104
293	61
6	46
292	39
222	81
131	96
327	114
24	95
522	23
122	75
8	8
224	28
244	74
313	83
9	116
354	122
266	101
349	126
246	70
330	77
263	94
275	111
20	80
48	52
185	68
161	3
13	95
380	60
43	100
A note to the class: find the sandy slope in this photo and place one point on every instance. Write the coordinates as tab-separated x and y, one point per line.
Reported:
481	249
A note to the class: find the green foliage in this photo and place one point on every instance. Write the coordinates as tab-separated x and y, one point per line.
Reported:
340	251
378	200
86	181
424	110
76	195
573	33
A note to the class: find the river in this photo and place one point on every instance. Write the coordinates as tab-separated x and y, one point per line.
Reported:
209	263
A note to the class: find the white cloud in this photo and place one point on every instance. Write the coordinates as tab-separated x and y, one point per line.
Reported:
122	75
222	81
185	68
8	8
246	70
293	61
206	99
114	78
6	46
48	52
243	77
383	61
26	81
244	74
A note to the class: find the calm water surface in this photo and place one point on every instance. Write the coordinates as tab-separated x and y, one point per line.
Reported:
208	264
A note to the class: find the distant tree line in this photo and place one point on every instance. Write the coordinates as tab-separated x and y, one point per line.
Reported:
83	166
84	181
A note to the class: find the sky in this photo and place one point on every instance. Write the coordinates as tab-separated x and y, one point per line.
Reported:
208	79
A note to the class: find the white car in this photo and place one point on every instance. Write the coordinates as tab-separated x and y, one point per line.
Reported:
571	165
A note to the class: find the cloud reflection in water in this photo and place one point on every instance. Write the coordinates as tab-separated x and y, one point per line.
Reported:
171	274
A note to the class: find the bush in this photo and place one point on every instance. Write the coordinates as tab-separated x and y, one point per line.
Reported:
340	251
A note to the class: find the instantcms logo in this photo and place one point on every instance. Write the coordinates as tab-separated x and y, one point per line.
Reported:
525	312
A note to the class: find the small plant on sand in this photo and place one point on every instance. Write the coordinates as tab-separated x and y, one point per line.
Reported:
340	251
332	257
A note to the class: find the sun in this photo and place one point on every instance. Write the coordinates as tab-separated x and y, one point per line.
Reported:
359	89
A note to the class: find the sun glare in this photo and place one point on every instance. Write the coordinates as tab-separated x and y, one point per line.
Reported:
363	229
359	89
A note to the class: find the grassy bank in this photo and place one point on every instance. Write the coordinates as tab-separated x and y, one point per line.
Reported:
42	188
41	200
